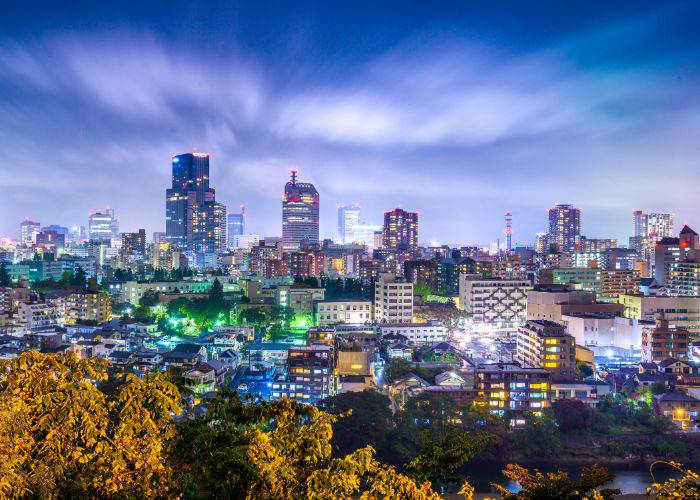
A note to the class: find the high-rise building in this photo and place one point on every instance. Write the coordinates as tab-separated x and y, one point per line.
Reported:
351	228
400	231
134	243
236	227
348	218
564	227
194	221
300	214
647	230
103	226
28	230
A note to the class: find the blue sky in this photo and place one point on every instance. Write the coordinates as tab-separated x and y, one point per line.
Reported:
453	109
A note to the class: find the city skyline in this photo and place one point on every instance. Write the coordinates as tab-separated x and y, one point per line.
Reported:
423	110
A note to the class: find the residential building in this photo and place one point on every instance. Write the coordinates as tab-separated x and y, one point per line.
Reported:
616	282
393	300
564	227
545	344
400	232
682	409
309	375
134	244
509	387
495	305
429	332
329	312
663	341
37	315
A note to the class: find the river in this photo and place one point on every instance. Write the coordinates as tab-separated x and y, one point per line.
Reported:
630	479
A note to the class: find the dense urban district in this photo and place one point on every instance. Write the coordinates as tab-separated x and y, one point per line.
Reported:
210	362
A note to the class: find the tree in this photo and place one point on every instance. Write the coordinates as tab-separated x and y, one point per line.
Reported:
583	370
79	277
557	485
62	437
4	275
423	290
367	419
439	458
540	436
158	274
571	415
687	486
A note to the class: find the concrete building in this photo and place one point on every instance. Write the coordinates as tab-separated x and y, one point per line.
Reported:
564	227
309	375
550	302
393	300
37	315
684	312
299	298
545	344
329	312
495	305
604	329
508	387
616	282
300	214
416	333
664	341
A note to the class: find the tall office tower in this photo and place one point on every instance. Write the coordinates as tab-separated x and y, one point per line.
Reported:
134	243
158	237
300	214
103	226
648	229
400	232
348	218
508	231
564	227
194	221
28	229
236	226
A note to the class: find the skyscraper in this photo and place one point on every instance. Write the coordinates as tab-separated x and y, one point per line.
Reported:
134	243
348	217
103	226
236	226
400	232
194	221
28	229
300	214
647	230
564	227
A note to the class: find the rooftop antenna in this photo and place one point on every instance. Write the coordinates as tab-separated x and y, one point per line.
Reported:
294	176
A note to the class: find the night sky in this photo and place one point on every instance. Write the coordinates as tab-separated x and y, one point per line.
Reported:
460	112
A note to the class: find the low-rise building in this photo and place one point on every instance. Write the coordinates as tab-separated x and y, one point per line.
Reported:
309	374
550	302
509	387
684	312
682	409
416	333
329	312
663	341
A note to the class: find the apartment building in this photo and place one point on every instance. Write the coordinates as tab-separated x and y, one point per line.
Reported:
545	344
393	300
495	305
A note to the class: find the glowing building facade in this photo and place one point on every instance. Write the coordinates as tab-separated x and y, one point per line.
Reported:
564	227
300	214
